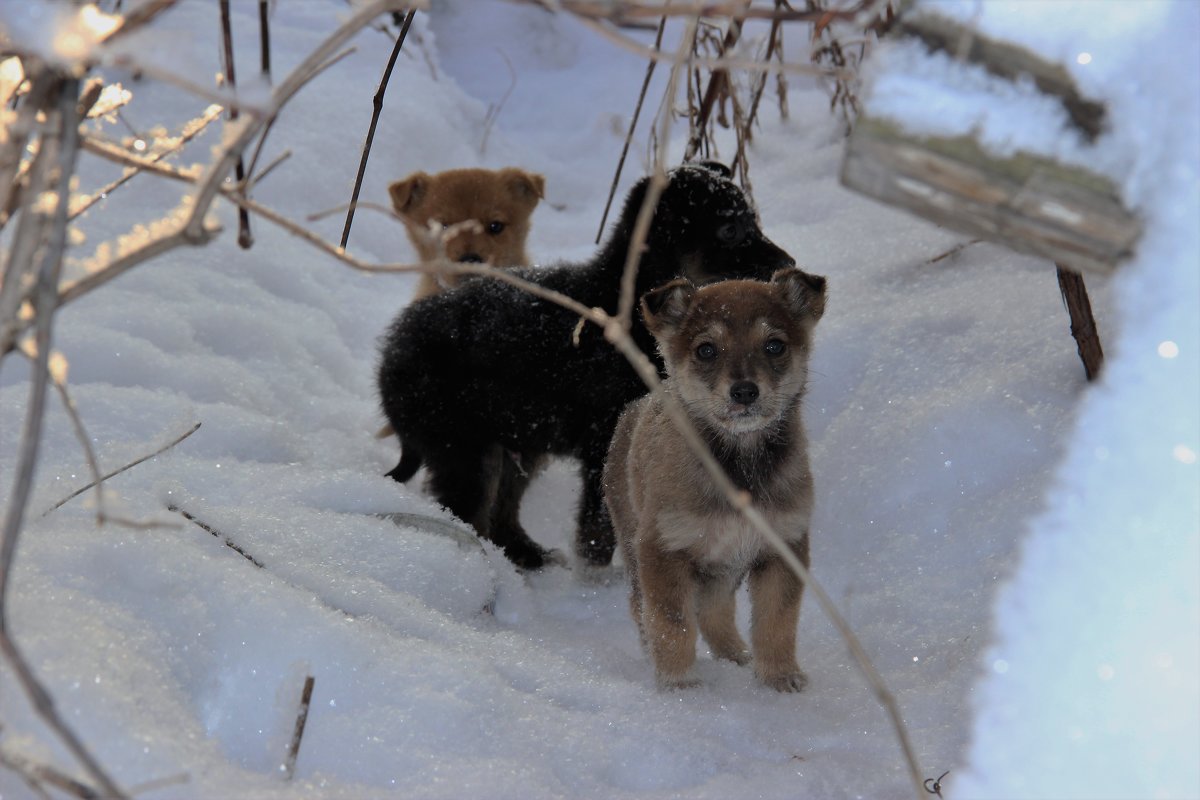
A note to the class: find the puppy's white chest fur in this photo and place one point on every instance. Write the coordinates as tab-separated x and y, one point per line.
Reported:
726	539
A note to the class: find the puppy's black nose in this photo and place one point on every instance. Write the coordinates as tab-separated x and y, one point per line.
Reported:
743	392
470	258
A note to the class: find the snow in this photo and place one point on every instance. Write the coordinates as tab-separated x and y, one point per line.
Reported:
1016	549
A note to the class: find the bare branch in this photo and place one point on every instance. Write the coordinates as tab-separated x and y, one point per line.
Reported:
725	63
245	239
216	534
102	478
190	131
275	115
289	765
625	13
64	142
718	81
240	133
376	109
637	111
656	184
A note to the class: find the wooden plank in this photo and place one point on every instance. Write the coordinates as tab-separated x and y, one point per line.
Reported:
1028	203
1000	58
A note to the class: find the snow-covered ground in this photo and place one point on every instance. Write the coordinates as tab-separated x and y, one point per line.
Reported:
1016	549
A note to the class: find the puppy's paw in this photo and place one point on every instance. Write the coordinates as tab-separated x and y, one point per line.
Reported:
670	683
739	657
531	559
792	680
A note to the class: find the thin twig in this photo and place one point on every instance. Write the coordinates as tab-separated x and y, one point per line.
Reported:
725	62
953	251
85	441
222	538
774	40
718	81
622	13
264	40
240	133
658	182
190	131
275	115
376	109
637	111
494	110
66	146
289	765
245	239
257	178
119	470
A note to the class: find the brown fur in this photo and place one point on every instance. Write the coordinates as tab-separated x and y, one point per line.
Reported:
506	196
686	548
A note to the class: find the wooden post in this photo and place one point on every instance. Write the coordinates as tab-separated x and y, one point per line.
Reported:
1083	325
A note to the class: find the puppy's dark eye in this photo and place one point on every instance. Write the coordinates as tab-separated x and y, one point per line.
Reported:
706	352
730	233
495	227
775	347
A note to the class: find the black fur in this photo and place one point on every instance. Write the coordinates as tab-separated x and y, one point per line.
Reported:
480	382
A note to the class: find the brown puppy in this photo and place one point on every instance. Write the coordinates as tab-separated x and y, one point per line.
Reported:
501	201
737	356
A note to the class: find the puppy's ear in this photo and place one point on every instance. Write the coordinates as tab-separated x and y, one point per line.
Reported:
525	187
407	194
804	292
664	308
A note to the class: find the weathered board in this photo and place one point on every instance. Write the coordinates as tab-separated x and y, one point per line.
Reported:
1028	203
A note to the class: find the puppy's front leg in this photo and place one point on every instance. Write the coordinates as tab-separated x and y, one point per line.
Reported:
775	610
716	603
668	612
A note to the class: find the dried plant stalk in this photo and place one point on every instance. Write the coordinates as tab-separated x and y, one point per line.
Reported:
376	109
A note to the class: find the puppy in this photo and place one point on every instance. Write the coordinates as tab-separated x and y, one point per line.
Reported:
501	201
481	381
737	356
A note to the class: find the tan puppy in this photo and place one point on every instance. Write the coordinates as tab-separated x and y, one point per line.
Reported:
501	201
737	356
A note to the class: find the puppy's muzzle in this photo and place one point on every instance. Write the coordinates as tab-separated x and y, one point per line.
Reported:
743	392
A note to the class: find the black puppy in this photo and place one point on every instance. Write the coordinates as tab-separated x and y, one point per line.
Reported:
482	381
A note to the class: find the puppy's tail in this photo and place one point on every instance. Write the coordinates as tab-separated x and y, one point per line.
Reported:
410	462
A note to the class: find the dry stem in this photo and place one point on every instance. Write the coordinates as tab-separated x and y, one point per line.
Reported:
637	111
376	109
658	182
99	480
245	238
64	142
289	765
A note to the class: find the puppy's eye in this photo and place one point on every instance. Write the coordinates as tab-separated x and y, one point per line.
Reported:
775	347
730	233
706	352
495	226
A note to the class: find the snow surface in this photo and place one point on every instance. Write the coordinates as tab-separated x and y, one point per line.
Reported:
955	444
